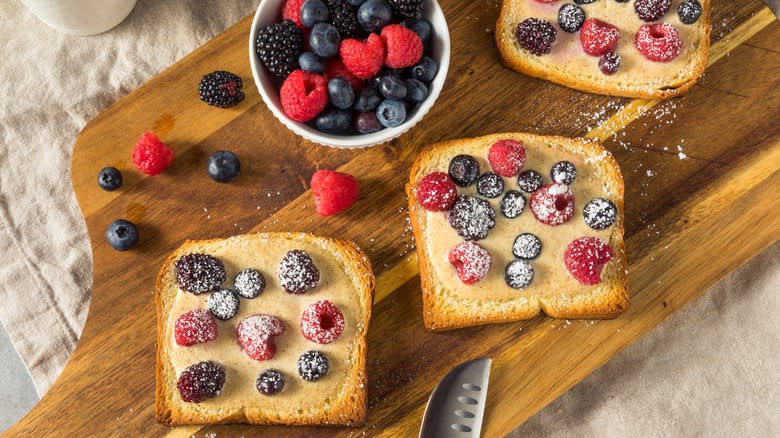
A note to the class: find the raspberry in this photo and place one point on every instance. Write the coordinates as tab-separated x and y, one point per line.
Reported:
506	157
471	217
256	334
437	192
598	37
303	95
585	258
292	11
150	155
535	35
199	273
404	47
553	204
652	10
471	261
297	272
658	42
201	381
195	327
333	191
363	59
322	322
335	68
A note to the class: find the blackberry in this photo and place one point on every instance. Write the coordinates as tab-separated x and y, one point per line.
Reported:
518	274
563	172
526	246
689	11
297	272
221	89
472	217
344	17
249	283
201	381
570	17
529	181
313	365
407	8
279	45
109	179
512	204
652	10
223	304
490	185
535	35
599	213
270	382
464	170
199	273
609	63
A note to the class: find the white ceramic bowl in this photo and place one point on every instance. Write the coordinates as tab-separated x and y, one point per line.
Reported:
269	11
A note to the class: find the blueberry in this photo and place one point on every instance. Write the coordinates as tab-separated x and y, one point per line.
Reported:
416	91
563	172
420	26
526	246
340	93
392	88
490	185
599	213
109	179
518	274
689	11
366	123
373	15
570	17
313	12
425	70
324	40
464	170
223	166
270	382
356	2
311	63
584	2
367	99
223	304
334	121
122	235
512	204
609	63
529	181
313	365
391	113
249	283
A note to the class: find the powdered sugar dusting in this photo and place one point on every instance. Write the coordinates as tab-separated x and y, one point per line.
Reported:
471	261
297	272
472	217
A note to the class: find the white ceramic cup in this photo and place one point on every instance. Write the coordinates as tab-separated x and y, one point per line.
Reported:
81	17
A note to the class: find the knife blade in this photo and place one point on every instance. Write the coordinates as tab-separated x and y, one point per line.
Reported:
774	5
457	404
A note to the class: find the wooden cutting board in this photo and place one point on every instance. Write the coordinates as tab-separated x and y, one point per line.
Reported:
701	174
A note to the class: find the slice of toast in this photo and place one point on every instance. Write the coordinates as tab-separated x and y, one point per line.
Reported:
338	398
567	64
450	303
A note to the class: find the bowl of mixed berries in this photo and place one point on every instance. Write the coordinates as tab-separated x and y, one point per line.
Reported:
349	73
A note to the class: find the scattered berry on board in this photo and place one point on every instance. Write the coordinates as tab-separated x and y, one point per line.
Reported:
256	334
201	381
223	166
270	382
122	235
585	258
471	261
333	191
199	273
150	155
221	89
322	322
109	179
313	365
437	192
297	272
195	327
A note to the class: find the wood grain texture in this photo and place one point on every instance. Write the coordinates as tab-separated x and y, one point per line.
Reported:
688	222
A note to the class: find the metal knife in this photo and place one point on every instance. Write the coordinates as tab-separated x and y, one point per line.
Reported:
457	404
774	5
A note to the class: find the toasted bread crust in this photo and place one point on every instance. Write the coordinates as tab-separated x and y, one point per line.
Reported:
349	410
439	316
517	60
